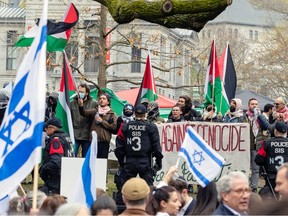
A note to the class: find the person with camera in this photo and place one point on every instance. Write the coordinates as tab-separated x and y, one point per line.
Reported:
136	147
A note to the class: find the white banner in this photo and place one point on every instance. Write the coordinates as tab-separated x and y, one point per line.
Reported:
231	141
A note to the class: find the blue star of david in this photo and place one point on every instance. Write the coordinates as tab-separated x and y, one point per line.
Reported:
197	157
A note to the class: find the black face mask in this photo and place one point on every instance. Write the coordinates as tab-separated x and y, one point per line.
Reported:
209	109
232	109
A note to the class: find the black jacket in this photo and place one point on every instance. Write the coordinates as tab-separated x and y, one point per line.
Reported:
57	146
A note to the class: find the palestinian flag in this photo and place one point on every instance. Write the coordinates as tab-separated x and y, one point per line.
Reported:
148	86
228	73
213	89
63	110
58	34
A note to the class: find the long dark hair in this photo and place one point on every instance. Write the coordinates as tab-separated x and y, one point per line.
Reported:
188	104
159	194
206	200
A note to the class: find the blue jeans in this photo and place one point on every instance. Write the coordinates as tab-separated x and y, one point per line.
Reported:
85	144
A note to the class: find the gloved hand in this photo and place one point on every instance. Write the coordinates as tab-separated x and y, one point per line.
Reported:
159	164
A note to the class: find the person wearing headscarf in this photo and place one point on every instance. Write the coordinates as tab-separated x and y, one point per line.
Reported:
235	112
153	114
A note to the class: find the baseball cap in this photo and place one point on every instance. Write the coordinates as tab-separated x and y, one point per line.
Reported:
135	189
140	109
53	121
281	127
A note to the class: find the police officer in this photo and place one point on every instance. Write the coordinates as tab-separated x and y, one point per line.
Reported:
57	145
272	154
136	147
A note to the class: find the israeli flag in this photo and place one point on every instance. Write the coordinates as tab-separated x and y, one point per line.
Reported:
85	188
22	126
203	162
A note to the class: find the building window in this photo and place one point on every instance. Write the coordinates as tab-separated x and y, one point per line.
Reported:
91	54
251	34
136	53
256	35
163	53
136	56
235	32
11	54
209	34
230	32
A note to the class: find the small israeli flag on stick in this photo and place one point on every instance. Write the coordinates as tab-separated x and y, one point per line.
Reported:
203	162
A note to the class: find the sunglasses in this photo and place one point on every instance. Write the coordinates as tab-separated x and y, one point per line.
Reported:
276	104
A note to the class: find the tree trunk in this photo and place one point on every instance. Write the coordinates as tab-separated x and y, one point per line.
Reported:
102	78
189	14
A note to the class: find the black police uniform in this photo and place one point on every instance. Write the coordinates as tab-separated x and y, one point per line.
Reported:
135	149
272	154
57	146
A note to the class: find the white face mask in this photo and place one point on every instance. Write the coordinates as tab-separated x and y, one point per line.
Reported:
82	95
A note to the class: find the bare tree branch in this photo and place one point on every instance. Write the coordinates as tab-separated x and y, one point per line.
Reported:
142	62
109	32
85	78
158	85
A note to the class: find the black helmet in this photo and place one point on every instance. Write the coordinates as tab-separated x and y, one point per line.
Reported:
128	110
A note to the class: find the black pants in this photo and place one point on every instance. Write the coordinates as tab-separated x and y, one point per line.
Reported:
103	149
132	168
266	191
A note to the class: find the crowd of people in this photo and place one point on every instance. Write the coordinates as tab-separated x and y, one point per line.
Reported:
230	195
138	151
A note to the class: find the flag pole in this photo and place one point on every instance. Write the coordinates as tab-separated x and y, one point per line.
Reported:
213	70
22	190
177	163
35	186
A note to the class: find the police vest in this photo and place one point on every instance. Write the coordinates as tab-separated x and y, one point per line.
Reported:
60	143
277	153
137	141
